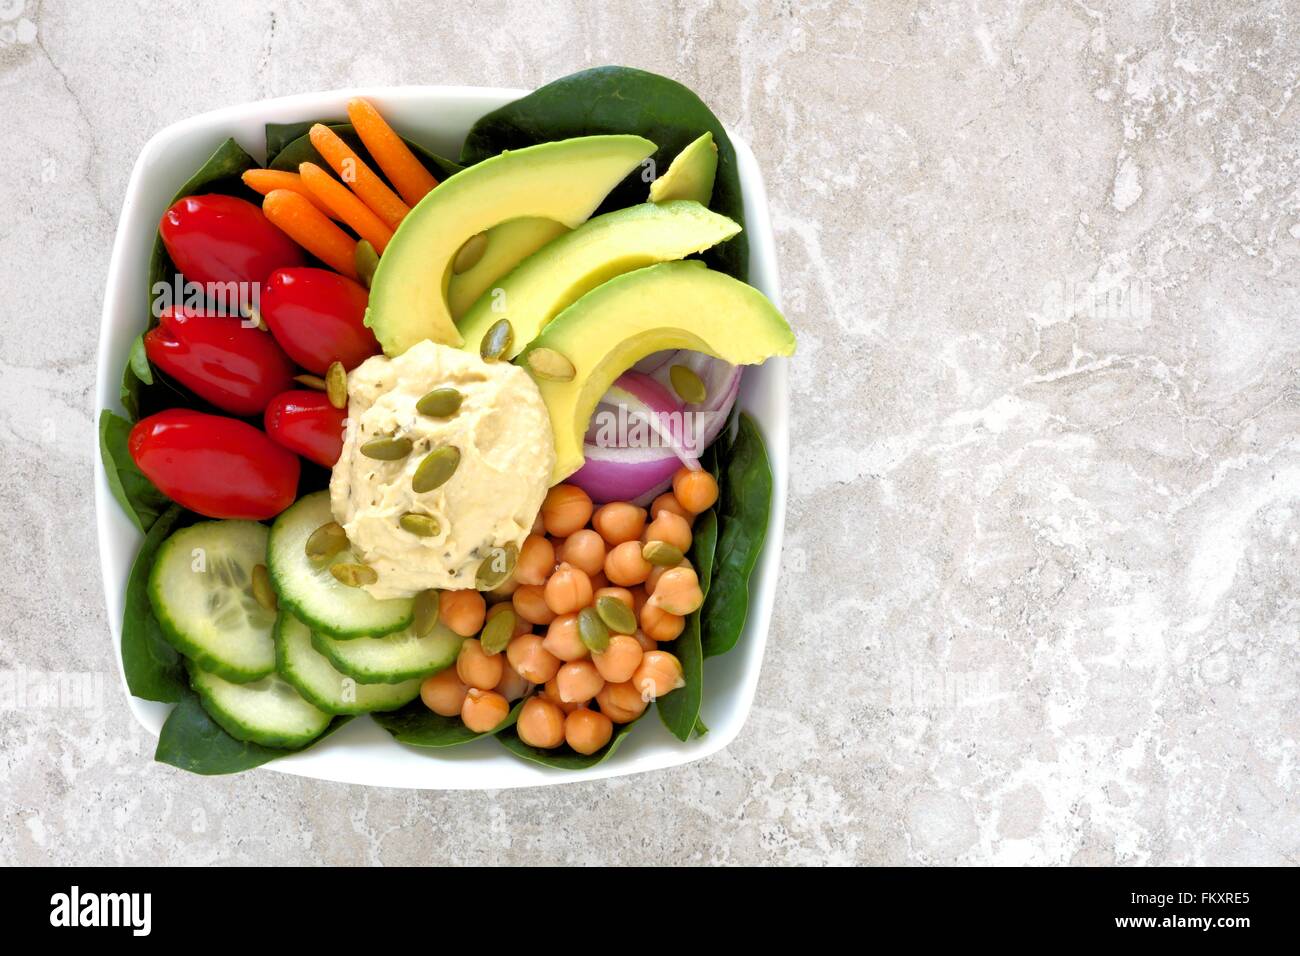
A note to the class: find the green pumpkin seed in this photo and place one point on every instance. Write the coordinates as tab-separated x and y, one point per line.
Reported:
354	575
422	526
440	403
618	617
326	541
470	253
262	589
387	449
311	381
425	612
336	385
497	632
497	567
687	384
550	365
365	261
438	466
497	341
592	630
662	554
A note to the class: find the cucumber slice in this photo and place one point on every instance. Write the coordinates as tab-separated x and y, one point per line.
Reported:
316	679
307	588
267	712
201	590
395	657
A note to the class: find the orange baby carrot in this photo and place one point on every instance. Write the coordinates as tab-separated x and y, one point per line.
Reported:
306	225
264	180
345	205
359	177
395	159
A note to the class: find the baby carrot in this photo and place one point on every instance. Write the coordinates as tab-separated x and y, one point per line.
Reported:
345	205
395	159
360	178
306	225
264	180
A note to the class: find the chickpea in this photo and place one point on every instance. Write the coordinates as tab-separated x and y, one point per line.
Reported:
696	490
625	566
658	571
533	662
618	662
621	703
566	509
513	685
541	723
578	682
539	526
585	550
661	625
586	731
619	521
536	560
476	668
671	528
678	592
483	710
659	673
621	594
551	692
647	643
668	502
443	693
463	611
568	590
504	590
521	626
562	639
639	598
530	605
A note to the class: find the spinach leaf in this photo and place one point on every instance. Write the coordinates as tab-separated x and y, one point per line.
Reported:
417	725
299	149
142	502
742	525
191	740
562	758
154	669
619	99
704	547
680	710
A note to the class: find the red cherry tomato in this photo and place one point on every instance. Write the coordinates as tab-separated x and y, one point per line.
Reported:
304	421
318	317
220	467
236	367
215	238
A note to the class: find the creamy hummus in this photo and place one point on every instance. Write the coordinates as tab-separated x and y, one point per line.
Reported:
507	452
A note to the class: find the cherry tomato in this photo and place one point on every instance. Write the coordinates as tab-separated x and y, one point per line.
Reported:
236	367
318	317
304	421
215	238
220	467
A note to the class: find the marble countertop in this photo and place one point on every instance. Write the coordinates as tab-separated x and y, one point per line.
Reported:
1041	585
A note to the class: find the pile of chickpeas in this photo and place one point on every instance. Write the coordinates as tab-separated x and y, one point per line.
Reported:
594	592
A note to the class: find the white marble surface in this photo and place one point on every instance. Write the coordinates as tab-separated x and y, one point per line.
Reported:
1041	595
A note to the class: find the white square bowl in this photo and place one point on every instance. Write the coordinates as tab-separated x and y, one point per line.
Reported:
438	117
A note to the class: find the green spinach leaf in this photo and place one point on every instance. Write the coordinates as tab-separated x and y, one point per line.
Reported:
619	99
562	758
154	669
299	150
137	495
417	725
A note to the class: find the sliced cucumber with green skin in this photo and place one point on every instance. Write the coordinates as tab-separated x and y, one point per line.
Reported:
395	657
267	712
316	679
201	591
308	589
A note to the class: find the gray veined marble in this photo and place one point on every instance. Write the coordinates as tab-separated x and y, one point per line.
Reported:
1041	589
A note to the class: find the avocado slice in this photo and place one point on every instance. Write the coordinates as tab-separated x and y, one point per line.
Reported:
691	173
547	283
672	305
507	245
564	181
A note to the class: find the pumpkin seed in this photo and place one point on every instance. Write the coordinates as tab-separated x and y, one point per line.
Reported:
311	381
365	260
387	449
422	526
354	575
440	403
262	589
425	612
326	541
497	341
438	466
618	617
470	253
551	365
662	554
592	630
497	567
687	384
497	632
336	385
